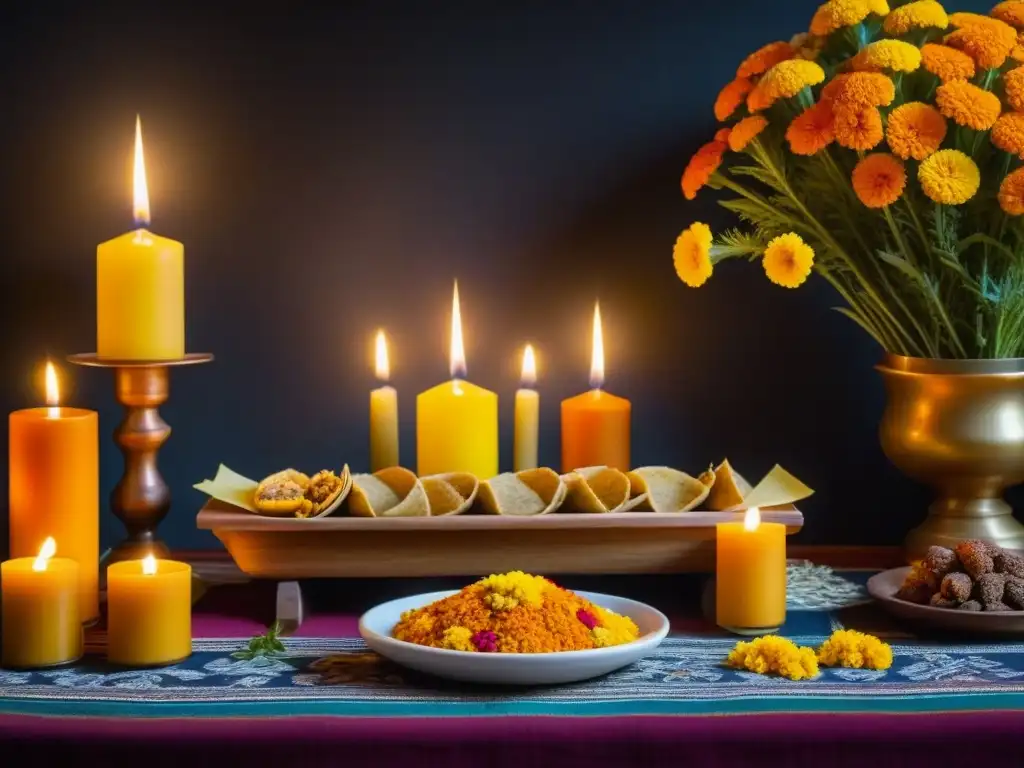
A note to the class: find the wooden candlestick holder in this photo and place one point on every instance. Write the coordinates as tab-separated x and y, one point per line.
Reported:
141	498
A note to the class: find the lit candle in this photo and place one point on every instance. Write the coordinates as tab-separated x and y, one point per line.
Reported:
457	422
750	581
527	415
42	626
149	612
383	413
596	425
53	465
140	286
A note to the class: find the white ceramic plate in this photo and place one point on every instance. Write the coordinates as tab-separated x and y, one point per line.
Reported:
377	624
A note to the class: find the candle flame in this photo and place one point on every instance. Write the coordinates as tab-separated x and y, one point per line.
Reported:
149	565
529	374
597	353
382	365
752	519
457	356
52	391
140	188
48	550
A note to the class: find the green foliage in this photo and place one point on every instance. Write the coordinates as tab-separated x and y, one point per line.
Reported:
266	644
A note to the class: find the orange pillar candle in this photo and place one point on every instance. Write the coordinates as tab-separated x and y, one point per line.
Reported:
53	463
596	424
41	623
750	575
149	612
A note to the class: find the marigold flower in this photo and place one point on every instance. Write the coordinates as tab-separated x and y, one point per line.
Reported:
1011	12
1017	54
745	131
764	58
922	14
783	81
849	648
505	591
1011	193
946	63
813	130
722	134
861	130
949	177
837	14
731	96
788	260
962	19
1008	133
774	655
879	180
894	55
850	93
915	130
705	161
968	105
1013	83
692	255
987	41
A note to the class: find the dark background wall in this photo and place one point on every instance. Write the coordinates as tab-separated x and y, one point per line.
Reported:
331	171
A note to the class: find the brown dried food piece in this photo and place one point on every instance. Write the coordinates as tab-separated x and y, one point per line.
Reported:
1014	593
970	605
941	561
915	593
975	557
996	607
1009	563
938	601
989	587
957	586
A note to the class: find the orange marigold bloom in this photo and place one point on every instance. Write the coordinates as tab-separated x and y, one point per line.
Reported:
1008	133
921	14
856	90
745	131
692	255
705	161
722	134
813	130
731	96
1011	193
946	63
988	42
860	130
915	130
879	180
783	81
764	58
968	105
1013	82
1010	11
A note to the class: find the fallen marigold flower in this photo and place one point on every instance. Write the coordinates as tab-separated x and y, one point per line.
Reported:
849	648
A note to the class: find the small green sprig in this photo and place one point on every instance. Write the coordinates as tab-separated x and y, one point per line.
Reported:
263	645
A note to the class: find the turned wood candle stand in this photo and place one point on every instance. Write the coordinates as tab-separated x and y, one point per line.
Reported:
141	498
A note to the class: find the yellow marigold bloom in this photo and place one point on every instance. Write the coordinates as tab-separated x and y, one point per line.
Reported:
849	648
507	590
692	255
764	58
813	130
946	63
853	92
614	629
837	14
1010	11
1008	133
788	260
922	14
879	180
783	81
745	131
968	105
1011	193
731	96
861	130
1013	83
773	654
988	41
879	7
458	639
894	55
705	161
949	177
915	130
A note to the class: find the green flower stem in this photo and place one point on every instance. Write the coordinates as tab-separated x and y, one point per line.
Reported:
929	347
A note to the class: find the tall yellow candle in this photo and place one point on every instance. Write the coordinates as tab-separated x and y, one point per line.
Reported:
750	575
140	286
383	413
527	416
149	612
41	623
457	422
53	463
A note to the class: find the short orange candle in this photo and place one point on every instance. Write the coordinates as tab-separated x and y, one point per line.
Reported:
149	612
596	424
41	623
53	462
750	575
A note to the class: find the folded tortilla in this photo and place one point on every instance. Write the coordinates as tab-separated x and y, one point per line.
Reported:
598	490
665	489
452	493
728	489
522	494
391	492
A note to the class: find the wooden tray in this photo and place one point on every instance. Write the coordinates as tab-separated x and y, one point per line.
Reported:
472	545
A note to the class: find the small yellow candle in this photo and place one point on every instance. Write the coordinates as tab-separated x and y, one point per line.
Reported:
383	413
750	575
149	612
457	422
42	626
140	287
527	415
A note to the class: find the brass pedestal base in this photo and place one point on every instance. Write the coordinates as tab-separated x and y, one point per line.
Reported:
951	521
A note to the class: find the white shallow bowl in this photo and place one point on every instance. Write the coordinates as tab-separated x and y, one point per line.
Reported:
377	624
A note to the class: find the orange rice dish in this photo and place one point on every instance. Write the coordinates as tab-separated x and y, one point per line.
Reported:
515	613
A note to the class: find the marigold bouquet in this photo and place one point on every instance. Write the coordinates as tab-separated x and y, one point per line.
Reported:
881	149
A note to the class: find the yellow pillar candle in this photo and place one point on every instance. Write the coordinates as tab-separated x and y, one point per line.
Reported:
527	416
750	575
383	413
53	463
457	422
140	287
42	626
149	612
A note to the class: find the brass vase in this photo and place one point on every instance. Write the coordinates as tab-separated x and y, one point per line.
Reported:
958	426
